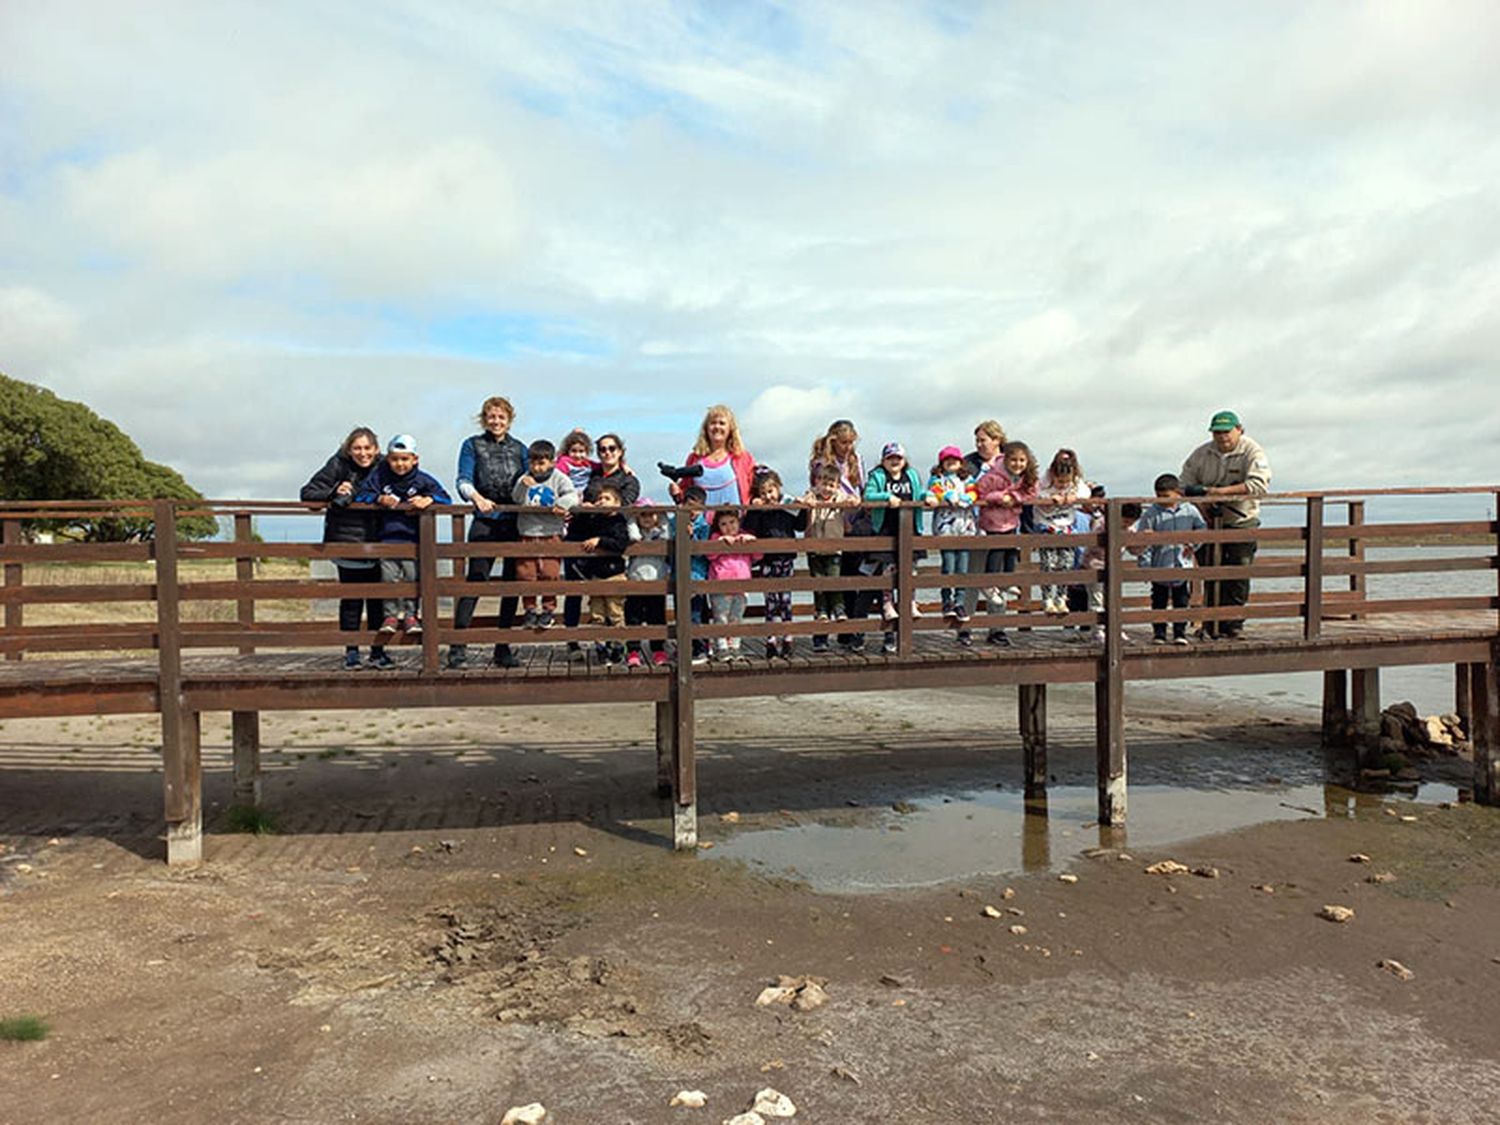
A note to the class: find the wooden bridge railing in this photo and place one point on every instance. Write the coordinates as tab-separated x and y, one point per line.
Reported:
166	595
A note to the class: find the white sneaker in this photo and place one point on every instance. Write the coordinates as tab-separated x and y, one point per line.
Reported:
1099	635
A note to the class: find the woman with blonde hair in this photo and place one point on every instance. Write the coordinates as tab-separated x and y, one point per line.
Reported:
989	444
728	468
837	448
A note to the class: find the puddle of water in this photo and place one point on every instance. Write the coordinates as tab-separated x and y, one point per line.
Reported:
998	832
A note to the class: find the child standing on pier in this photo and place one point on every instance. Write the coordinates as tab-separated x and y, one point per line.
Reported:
647	609
1169	513
604	533
826	520
892	483
767	519
729	608
951	491
398	486
575	459
1056	504
547	494
1005	491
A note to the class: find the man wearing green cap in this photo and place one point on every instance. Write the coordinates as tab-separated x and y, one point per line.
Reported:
1231	470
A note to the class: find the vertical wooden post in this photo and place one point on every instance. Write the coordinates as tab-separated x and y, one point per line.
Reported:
1031	706
15	575
906	582
1312	571
244	571
1463	697
1109	690
427	589
1367	713
1485	696
684	774
1357	553
664	733
245	739
1036	835
1335	708
182	778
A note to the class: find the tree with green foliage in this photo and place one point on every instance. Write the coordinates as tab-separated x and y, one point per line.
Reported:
53	449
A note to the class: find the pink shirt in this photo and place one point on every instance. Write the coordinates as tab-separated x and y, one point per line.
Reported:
724	568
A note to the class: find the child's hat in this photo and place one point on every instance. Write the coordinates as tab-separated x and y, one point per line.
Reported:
893	449
950	451
402	443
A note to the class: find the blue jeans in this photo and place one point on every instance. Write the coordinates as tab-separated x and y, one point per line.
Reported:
955	600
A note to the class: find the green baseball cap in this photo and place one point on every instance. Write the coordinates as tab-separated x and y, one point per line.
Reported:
1223	422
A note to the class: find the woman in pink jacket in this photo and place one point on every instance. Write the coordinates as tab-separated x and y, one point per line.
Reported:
727	467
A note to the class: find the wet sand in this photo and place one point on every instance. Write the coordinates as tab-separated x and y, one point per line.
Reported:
422	941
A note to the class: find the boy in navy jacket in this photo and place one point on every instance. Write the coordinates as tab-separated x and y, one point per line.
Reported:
399	487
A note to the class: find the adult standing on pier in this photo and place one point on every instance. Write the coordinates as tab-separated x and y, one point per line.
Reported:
489	464
1231	470
613	470
727	465
336	483
989	440
839	447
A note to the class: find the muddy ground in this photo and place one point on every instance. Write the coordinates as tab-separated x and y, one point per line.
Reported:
462	911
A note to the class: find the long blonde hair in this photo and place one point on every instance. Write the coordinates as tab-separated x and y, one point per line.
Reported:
822	450
732	444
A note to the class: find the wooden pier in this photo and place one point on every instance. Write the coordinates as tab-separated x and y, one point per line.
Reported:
166	634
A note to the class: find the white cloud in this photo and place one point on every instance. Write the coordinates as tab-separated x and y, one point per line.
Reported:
1098	225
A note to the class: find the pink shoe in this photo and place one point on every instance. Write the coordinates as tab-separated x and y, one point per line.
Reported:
659	658
633	660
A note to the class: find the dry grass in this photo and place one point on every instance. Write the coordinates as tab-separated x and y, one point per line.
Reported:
144	612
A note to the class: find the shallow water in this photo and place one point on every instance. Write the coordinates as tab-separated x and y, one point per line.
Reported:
998	832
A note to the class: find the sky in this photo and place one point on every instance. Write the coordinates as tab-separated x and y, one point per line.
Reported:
239	229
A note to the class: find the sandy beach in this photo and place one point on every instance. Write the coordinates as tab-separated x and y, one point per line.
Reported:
464	911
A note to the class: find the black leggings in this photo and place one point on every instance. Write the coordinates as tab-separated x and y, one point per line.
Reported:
349	608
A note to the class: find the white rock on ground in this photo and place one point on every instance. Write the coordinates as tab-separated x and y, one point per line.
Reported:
772	1103
1333	913
692	1099
533	1114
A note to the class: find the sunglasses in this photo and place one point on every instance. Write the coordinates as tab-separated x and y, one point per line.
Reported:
607	448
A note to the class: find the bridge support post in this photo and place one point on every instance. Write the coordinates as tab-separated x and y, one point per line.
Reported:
1109	689
245	739
1366	684
664	734
1335	709
182	771
1031	707
684	772
1485	733
1463	697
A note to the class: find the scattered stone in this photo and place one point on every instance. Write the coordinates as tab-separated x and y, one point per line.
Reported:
1067	877
991	912
1008	893
1092	1056
1206	872
1339	914
774	1064
1359	857
1381	877
533	1114
772	1103
1168	867
730	818
800	993
1019	913
692	1099
745	1119
580	851
1408	819
845	1073
890	980
1436	733
1018	929
449	846
24	868
52	843
1264	888
705	845
418	849
1395	968
1125	857
904	807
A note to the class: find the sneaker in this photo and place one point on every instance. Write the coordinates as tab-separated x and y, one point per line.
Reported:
351	659
840	614
1231	632
965	639
820	645
1183	641
529	619
700	659
889	647
659	658
505	658
380	659
545	619
412	626
857	643
388	628
1012	592
820	616
633	659
575	653
961	615
998	638
1159	639
458	656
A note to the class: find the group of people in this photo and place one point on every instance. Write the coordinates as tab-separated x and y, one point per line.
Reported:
582	491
